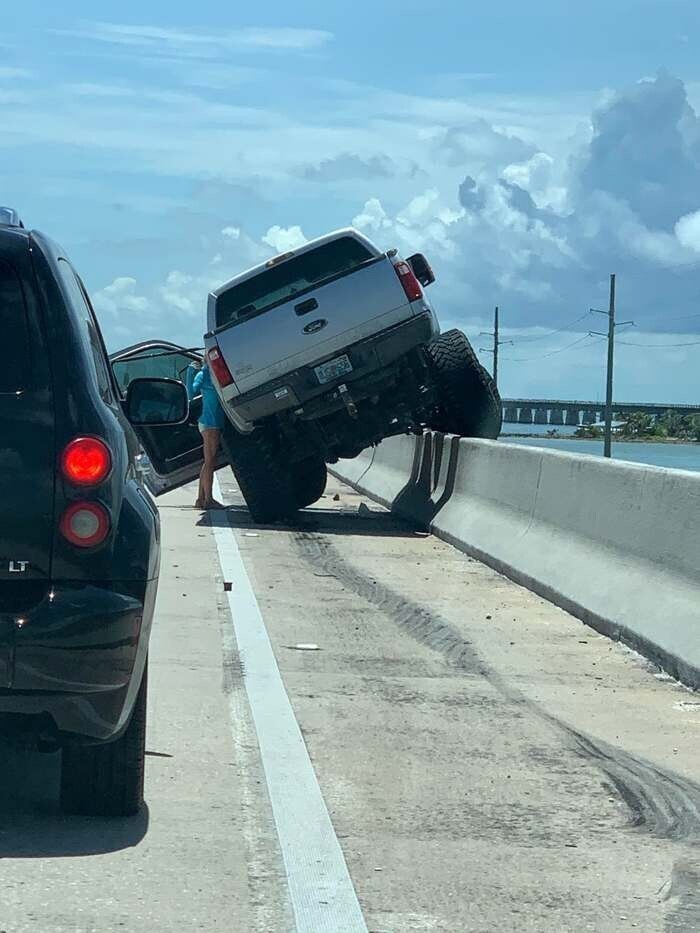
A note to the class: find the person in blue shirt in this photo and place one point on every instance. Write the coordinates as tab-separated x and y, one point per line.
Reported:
211	422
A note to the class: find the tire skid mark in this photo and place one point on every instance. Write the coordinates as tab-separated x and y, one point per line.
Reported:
660	802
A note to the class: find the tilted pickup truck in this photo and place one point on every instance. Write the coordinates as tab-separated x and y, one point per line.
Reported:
328	349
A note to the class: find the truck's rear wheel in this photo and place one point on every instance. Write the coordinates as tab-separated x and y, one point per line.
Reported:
263	476
310	478
107	780
469	403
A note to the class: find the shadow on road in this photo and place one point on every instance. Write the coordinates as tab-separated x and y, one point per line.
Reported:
31	824
362	521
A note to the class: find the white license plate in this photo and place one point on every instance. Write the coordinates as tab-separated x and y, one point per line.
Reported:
329	371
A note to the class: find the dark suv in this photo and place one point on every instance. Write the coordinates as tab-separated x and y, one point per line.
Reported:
79	533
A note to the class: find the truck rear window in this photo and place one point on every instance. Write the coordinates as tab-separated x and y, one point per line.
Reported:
291	278
14	336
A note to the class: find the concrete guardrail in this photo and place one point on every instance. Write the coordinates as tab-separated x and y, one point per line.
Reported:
615	544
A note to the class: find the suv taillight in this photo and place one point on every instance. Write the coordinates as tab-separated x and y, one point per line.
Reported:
410	283
86	461
85	524
222	373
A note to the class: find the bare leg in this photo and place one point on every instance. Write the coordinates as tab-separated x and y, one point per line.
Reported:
199	504
206	478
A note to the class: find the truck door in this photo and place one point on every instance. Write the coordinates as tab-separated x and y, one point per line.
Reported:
175	451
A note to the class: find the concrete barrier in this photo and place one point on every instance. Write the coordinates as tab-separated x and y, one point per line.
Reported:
615	544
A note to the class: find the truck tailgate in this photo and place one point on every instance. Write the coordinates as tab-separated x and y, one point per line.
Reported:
348	309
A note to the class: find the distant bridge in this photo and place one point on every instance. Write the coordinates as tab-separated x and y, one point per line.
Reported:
575	411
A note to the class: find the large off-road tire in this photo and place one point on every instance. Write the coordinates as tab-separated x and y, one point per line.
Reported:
469	403
263	475
310	477
107	779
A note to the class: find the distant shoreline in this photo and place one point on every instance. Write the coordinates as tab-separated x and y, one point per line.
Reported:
615	440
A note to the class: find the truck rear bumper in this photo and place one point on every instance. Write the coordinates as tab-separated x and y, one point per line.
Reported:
301	386
76	660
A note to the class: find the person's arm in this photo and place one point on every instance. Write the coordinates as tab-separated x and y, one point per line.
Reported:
197	383
190	374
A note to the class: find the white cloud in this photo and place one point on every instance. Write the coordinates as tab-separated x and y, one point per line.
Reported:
121	310
199	42
283	239
688	231
93	89
174	307
285	38
372	217
120	296
232	233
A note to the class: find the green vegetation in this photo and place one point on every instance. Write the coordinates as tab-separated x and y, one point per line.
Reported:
671	426
589	431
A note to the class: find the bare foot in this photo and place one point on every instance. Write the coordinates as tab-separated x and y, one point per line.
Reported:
213	504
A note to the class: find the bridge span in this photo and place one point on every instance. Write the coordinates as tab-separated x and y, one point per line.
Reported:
576	411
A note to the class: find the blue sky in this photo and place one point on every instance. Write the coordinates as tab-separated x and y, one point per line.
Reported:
528	150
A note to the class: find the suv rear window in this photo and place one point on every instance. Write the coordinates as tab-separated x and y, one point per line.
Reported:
290	278
14	335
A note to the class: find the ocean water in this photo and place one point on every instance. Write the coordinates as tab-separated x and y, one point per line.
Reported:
676	456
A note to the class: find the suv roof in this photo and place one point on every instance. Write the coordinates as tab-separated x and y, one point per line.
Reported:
9	217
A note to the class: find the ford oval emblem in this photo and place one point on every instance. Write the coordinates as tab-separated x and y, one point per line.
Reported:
315	326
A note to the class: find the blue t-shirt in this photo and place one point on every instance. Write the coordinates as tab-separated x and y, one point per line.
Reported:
212	413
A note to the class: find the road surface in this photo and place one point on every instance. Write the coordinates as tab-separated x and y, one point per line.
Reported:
473	759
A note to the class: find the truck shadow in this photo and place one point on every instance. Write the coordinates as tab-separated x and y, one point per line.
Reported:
31	823
363	521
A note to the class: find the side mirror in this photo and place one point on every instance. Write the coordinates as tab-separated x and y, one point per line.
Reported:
153	402
421	269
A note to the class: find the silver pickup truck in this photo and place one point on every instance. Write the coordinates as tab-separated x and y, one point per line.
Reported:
328	349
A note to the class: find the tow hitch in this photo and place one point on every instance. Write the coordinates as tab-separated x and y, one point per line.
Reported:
347	399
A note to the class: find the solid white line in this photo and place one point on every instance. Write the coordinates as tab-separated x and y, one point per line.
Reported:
320	887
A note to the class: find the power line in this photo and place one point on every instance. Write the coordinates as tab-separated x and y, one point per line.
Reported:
553	332
659	346
530	359
681	317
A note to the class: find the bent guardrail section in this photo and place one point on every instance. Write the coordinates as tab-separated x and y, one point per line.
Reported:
615	544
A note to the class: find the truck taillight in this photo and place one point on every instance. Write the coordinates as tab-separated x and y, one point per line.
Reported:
85	524
218	366
86	461
410	283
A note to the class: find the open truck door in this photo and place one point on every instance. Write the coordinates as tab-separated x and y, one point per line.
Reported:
175	451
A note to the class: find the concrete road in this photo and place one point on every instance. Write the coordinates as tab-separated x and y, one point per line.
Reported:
487	762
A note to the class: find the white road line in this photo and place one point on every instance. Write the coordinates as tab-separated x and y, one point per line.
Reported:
320	887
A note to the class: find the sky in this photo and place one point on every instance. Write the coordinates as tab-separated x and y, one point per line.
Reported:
529	150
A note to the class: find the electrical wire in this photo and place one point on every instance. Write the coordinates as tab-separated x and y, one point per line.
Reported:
681	317
658	346
530	359
551	333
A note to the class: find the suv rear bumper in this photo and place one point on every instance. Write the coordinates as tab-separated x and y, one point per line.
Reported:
76	661
368	356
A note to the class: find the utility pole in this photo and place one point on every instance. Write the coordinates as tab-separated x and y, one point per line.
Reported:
607	441
496	344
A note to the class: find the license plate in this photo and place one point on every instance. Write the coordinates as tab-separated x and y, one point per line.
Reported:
329	371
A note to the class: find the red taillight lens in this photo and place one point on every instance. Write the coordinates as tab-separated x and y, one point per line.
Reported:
86	461
222	373
410	283
85	524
